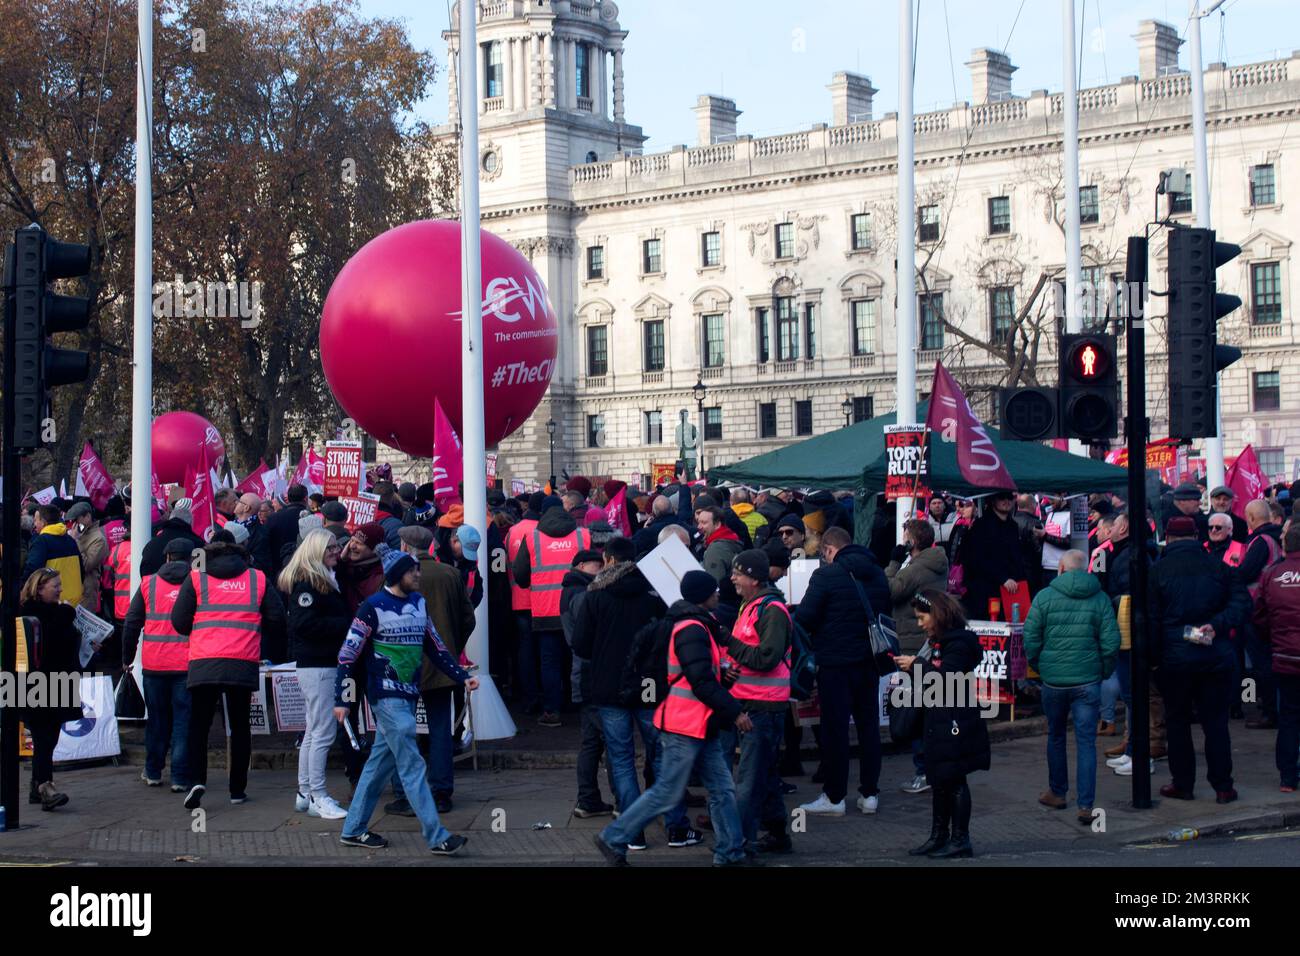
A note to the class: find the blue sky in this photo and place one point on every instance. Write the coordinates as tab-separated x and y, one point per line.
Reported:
775	57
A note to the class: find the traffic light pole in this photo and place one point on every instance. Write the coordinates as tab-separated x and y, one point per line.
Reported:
1139	731
11	462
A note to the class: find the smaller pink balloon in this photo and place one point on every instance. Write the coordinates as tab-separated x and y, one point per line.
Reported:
178	441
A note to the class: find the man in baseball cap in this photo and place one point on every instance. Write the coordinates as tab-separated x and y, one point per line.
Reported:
1187	499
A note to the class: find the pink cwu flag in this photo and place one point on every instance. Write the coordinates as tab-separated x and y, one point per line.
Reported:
255	483
952	419
1247	480
93	479
617	511
448	460
198	488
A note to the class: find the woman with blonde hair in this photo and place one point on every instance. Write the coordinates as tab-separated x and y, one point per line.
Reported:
59	653
318	622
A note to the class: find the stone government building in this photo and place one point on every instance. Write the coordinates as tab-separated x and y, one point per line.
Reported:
763	268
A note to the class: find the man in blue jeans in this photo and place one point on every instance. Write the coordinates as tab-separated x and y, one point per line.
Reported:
619	602
759	646
165	660
1072	639
390	638
693	710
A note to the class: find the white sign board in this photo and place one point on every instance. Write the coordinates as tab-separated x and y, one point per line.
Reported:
95	734
665	566
290	704
794	583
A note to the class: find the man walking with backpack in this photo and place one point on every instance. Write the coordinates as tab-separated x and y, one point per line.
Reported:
619	613
690	716
760	647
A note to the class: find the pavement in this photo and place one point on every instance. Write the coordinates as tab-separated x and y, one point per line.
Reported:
114	819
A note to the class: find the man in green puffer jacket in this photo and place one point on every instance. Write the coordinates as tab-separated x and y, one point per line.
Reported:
1071	639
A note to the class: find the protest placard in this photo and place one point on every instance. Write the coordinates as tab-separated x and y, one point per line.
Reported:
907	462
342	469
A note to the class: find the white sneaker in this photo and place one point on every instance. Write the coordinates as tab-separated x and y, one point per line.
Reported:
301	802
1119	761
823	805
326	808
1126	770
869	804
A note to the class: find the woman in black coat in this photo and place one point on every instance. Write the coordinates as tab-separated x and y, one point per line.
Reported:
57	653
956	739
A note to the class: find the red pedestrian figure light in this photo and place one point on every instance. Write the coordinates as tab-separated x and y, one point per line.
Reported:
1089	358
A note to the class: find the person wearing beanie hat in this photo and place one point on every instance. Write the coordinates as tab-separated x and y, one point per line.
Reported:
237	532
580	484
601	533
791	532
539	565
1191	588
390	639
360	572
696	732
1221	500
178	525
778	561
760	646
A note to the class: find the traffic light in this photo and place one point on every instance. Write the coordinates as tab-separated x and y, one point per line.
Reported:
33	314
1195	357
1028	414
1089	387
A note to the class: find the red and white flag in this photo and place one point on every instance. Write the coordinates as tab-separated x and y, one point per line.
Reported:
198	488
951	419
311	471
1247	480
448	460
257	480
93	480
617	511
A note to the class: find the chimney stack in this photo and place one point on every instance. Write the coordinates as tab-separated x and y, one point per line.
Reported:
990	75
715	116
1158	45
851	95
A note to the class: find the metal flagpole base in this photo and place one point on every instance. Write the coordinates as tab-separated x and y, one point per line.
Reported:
492	721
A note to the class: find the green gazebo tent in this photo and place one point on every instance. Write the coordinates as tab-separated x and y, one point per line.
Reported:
853	459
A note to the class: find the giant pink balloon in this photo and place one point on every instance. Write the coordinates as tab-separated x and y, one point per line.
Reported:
390	335
178	439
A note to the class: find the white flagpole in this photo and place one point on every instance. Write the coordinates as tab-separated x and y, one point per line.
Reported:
906	280
142	359
491	719
1070	135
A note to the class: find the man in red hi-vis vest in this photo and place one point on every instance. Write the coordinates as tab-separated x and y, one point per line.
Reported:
540	566
693	710
760	647
166	661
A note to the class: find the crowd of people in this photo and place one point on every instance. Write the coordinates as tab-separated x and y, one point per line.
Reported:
382	612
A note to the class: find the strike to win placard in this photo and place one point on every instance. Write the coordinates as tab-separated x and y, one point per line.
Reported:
907	471
361	509
342	469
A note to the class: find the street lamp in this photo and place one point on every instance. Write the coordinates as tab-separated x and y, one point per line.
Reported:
699	390
550	433
846	406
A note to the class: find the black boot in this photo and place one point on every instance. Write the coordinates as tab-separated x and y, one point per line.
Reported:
940	812
776	840
959	846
